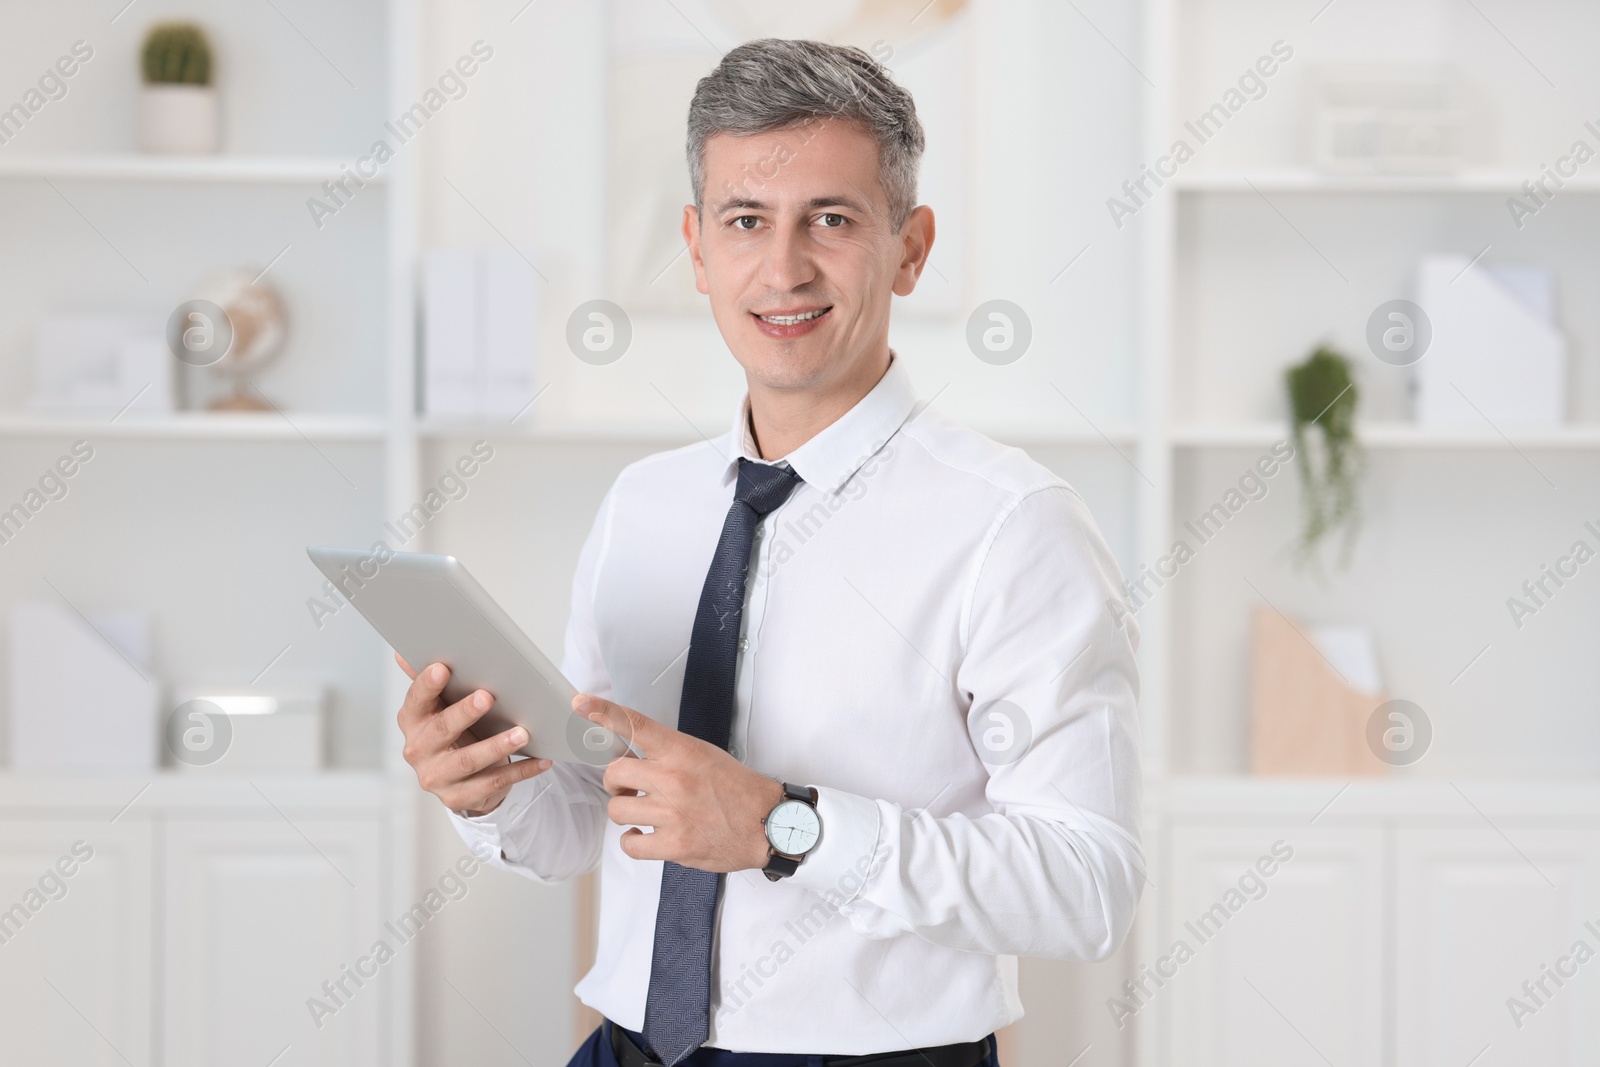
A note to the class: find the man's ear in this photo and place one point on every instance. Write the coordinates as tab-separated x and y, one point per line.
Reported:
691	237
917	235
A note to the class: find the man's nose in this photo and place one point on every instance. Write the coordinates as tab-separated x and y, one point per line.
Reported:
788	264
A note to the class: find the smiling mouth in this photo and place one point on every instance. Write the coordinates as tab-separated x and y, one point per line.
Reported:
796	319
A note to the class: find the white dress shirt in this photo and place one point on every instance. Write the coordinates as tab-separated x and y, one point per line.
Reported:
920	574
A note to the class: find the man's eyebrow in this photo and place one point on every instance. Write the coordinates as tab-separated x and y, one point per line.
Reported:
747	204
836	201
743	203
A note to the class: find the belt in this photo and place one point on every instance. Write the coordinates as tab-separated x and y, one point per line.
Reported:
965	1054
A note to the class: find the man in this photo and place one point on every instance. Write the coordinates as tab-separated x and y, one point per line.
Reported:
887	717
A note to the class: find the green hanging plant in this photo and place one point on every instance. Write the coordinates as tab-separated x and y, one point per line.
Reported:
1323	396
176	53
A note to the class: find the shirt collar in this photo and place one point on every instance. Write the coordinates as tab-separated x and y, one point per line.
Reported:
828	460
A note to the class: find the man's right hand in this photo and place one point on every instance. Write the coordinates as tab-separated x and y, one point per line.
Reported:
469	775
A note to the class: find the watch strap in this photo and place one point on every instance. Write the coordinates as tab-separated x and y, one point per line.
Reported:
779	865
800	792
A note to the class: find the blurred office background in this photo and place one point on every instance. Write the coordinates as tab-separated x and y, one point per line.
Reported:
445	234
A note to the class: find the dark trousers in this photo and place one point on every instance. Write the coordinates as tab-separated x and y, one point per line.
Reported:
596	1052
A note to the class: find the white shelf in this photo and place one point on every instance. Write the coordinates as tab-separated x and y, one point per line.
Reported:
676	431
135	795
1310	181
209	426
1394	435
220	168
1339	799
1119	433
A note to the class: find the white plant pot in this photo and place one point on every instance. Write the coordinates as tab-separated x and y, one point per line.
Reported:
179	119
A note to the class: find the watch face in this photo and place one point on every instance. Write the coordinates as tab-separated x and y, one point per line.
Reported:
793	828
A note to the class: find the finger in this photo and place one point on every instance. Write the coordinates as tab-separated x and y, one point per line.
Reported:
423	697
451	724
636	811
610	784
459	764
628	776
474	794
637	728
405	667
636	844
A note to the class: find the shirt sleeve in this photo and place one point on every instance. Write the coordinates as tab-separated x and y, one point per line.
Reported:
551	827
1055	868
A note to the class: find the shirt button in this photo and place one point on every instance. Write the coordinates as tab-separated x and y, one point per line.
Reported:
744	643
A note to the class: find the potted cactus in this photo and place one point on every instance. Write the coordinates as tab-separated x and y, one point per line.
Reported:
178	111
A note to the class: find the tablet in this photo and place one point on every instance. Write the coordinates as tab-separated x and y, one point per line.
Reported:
430	610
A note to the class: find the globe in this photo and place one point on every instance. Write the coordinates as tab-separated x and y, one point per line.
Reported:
255	313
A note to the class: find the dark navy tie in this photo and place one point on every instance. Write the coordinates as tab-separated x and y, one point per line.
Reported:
677	1013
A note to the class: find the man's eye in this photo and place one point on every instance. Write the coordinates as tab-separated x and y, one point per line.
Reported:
832	220
742	219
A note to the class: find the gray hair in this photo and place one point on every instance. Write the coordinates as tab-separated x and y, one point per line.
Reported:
775	84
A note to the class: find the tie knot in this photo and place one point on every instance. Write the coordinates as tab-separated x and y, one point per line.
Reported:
764	486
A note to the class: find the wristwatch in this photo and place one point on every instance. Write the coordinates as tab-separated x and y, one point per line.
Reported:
793	830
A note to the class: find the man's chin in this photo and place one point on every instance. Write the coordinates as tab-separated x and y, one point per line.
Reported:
785	364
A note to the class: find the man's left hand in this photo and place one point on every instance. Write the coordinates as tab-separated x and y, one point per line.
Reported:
704	808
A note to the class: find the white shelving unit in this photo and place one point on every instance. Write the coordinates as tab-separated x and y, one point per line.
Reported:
1252	259
1451	514
339	457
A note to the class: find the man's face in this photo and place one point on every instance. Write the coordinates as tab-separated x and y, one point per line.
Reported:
798	253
